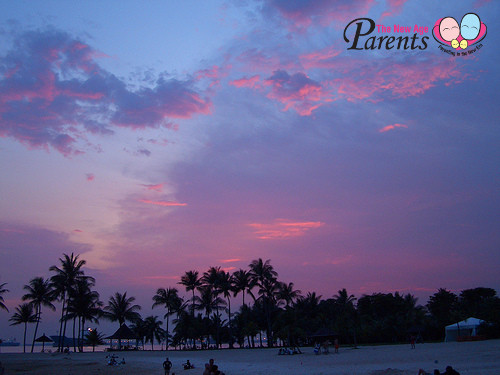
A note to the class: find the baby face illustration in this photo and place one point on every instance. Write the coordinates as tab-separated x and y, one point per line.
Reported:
470	26
448	29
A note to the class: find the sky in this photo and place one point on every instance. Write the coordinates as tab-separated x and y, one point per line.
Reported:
161	137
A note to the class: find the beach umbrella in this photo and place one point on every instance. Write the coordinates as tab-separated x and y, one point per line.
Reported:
43	339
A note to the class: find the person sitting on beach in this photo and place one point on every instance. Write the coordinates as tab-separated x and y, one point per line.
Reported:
449	371
422	372
112	361
188	365
167	365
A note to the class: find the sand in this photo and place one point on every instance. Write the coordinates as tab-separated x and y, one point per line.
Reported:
481	357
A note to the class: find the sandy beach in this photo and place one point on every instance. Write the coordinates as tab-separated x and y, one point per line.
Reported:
467	358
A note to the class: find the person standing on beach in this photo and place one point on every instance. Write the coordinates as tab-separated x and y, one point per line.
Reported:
167	365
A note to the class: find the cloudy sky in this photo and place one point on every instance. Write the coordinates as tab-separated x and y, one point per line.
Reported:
177	135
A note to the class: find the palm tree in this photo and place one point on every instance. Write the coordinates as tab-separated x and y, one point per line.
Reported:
346	312
83	305
241	283
192	282
226	286
209	302
120	308
263	275
287	293
65	277
94	338
170	299
140	330
153	330
39	294
2	291
24	314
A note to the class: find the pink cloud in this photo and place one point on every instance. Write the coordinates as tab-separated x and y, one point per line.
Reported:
297	91
157	187
480	3
252	82
230	260
303	14
369	80
282	229
392	127
394	7
323	59
163	203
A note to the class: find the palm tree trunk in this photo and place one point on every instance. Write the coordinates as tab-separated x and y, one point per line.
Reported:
83	327
60	343
192	305
74	341
167	333
64	329
24	341
230	331
39	313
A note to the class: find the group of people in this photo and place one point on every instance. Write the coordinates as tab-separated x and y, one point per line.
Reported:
449	371
112	360
210	368
289	351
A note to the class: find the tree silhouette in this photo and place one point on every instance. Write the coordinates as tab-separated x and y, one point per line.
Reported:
39	294
192	282
3	291
24	314
120	308
153	330
65	278
94	338
169	298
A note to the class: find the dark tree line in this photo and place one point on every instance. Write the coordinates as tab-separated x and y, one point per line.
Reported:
277	313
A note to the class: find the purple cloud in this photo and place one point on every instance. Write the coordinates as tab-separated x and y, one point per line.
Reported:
52	91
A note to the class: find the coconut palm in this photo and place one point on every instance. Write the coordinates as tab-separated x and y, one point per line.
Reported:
120	309
263	275
39	294
140	330
260	271
94	338
66	275
192	282
153	330
346	312
170	299
226	287
241	283
2	291
24	314
83	305
287	293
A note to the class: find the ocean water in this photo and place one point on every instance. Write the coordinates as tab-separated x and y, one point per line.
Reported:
49	347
